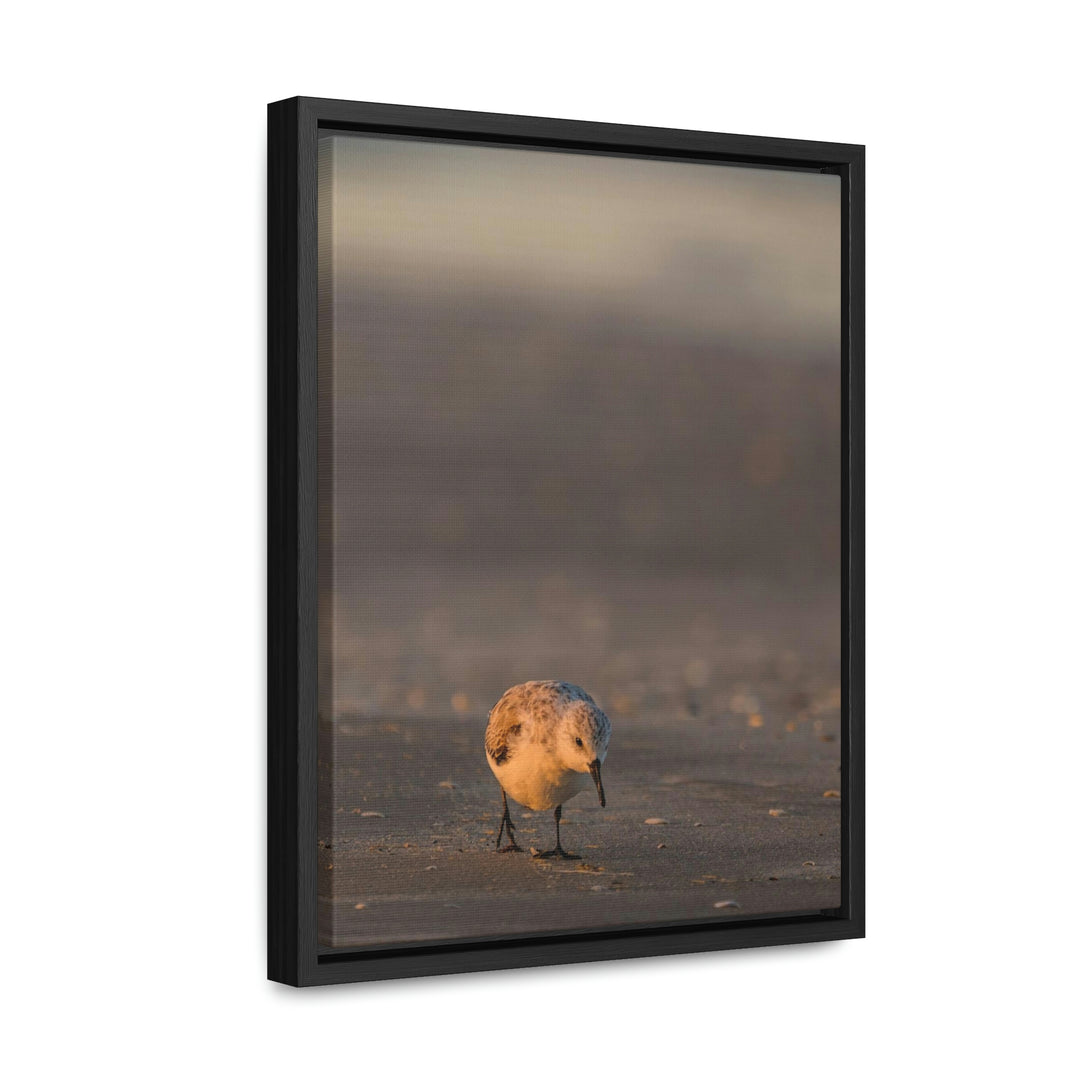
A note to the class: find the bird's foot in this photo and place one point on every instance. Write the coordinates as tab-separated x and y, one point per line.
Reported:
512	846
556	853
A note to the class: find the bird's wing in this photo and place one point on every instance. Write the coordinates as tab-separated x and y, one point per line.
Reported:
503	728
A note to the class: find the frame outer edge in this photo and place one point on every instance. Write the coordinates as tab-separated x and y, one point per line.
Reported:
855	795
283	946
292	529
585	134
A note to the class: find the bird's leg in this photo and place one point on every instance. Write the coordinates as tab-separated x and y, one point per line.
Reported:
557	851
507	824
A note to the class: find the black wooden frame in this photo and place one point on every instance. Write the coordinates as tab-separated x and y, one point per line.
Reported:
293	956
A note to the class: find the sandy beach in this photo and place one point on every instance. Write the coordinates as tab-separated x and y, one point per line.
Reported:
745	812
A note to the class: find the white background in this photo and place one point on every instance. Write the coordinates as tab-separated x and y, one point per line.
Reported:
132	428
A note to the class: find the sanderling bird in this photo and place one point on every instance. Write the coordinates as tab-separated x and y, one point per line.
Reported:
543	739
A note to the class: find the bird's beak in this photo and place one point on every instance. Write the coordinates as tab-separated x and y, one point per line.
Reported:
594	771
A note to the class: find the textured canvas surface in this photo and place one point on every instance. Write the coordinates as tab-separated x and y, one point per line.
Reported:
579	419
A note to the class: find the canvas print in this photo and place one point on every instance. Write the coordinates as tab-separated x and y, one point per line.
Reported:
580	524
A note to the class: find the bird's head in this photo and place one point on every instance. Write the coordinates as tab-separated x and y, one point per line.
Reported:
583	742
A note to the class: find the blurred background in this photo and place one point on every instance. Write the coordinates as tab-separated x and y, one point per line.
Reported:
579	419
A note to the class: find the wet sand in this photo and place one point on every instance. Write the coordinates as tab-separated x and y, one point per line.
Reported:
409	812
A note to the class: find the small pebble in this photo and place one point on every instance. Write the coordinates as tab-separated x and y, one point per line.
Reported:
656	821
728	904
699	824
661	845
447	784
832	793
359	907
777	813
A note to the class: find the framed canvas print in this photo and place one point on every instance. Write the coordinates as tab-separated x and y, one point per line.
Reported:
565	541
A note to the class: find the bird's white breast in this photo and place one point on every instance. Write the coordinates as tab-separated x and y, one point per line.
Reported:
534	777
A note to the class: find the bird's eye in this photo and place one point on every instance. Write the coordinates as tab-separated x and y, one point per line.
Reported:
579	742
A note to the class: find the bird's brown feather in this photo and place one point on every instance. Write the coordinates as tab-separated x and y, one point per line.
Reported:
503	726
